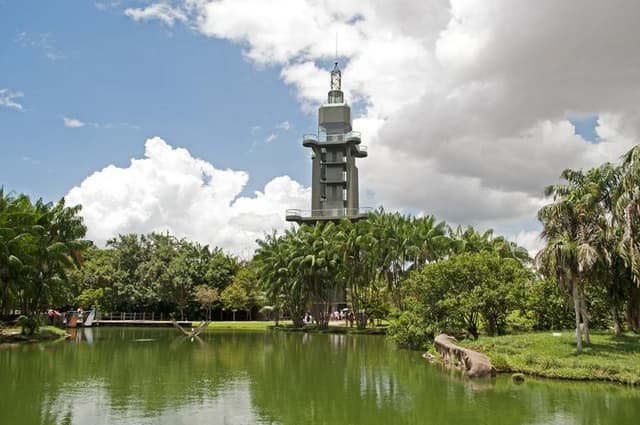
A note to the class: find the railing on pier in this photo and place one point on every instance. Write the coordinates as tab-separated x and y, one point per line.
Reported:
103	317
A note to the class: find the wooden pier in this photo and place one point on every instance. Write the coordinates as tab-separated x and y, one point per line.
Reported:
137	320
142	323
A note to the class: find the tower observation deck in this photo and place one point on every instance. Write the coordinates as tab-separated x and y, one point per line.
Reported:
334	175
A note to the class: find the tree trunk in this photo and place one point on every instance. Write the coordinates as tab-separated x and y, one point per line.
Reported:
633	309
585	316
615	317
234	315
576	309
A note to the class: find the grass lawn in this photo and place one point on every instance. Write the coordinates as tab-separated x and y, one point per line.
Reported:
242	326
607	358
286	325
44	333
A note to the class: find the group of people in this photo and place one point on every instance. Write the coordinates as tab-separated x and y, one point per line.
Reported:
61	319
348	316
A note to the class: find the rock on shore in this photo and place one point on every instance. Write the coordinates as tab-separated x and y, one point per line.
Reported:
474	364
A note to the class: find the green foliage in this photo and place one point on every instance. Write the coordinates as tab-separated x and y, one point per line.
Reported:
234	298
519	321
207	297
409	330
30	324
39	244
458	294
548	306
91	297
155	272
545	354
592	234
370	260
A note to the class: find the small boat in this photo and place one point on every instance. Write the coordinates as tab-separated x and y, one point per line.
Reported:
90	318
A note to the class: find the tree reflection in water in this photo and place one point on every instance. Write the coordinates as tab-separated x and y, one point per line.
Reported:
140	376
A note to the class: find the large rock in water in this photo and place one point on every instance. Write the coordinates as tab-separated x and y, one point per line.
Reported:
474	364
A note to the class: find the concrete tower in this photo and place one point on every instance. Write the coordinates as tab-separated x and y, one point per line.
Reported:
334	188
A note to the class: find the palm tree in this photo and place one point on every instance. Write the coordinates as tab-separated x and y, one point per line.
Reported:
573	229
429	240
279	276
58	233
316	260
16	217
357	248
626	212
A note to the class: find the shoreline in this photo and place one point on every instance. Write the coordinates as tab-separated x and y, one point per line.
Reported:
45	333
553	356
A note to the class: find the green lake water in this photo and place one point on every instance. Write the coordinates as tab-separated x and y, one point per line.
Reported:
155	376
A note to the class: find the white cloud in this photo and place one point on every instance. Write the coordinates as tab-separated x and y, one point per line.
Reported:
530	241
161	11
76	123
284	125
171	190
466	104
72	122
9	99
271	138
44	42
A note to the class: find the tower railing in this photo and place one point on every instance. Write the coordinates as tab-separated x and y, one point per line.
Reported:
329	213
332	138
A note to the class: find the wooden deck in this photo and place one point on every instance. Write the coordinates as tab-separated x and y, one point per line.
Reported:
142	323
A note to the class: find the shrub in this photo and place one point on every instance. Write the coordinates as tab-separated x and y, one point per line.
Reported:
408	331
29	324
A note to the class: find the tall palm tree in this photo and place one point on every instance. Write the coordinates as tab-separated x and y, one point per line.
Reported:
58	246
573	229
16	217
626	212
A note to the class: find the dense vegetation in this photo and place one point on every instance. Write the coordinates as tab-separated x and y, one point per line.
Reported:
39	244
365	264
160	273
424	275
592	233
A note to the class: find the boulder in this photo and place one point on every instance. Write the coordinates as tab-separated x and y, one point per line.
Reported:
474	364
517	378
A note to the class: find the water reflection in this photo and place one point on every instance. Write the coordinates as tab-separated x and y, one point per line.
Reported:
140	376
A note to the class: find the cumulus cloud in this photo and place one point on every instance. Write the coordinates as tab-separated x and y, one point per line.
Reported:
9	99
161	11
72	122
467	106
271	138
530	240
170	190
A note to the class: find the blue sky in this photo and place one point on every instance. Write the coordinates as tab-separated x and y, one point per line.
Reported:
469	109
141	79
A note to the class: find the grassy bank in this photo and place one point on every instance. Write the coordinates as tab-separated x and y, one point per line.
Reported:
607	358
240	326
287	326
45	333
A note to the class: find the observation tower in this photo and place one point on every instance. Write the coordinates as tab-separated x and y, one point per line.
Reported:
334	175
